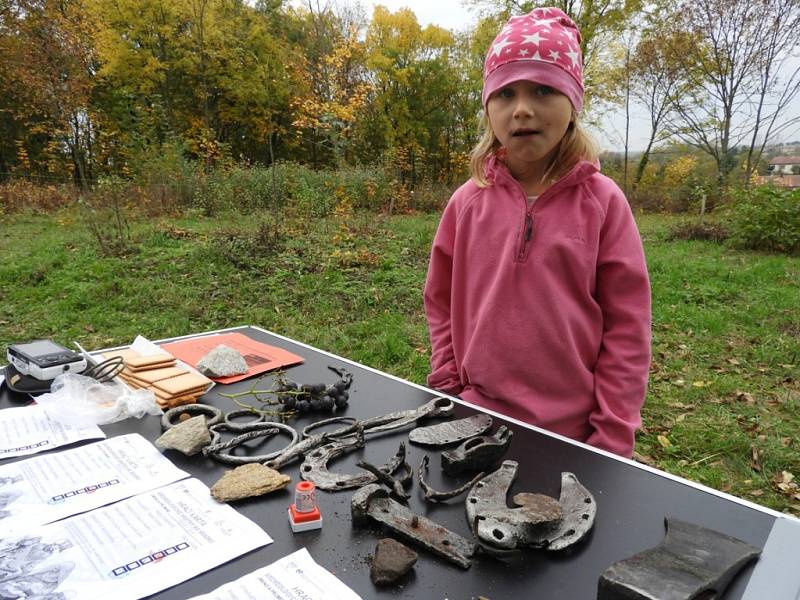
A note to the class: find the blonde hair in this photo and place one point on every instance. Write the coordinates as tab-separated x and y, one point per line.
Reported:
576	145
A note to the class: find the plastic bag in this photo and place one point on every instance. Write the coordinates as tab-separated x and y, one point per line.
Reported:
78	400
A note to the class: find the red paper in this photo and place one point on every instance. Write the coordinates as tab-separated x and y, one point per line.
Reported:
259	357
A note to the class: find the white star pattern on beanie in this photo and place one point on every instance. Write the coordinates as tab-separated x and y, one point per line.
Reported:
498	47
532	39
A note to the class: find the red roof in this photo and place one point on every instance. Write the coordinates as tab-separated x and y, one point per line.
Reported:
785	160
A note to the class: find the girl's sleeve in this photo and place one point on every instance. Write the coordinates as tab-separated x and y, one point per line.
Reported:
438	285
623	364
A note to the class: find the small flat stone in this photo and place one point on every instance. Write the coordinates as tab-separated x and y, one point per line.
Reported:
392	560
188	437
222	361
248	481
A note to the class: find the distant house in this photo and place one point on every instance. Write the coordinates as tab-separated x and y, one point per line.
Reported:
784	171
784	165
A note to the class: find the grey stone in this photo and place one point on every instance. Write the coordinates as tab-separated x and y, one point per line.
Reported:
222	361
392	560
247	481
188	437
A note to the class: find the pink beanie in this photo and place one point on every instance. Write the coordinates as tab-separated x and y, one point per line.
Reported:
543	46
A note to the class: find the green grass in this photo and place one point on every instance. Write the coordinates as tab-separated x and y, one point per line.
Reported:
722	407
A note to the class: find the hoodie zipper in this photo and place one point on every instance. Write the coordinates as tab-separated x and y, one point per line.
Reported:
528	233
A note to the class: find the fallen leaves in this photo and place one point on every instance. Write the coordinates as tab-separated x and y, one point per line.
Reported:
786	484
664	441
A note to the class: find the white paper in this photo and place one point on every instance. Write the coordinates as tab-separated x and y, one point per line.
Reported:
128	550
28	430
43	489
294	577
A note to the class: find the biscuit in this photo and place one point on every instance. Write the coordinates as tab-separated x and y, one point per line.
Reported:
153	375
183	384
139	362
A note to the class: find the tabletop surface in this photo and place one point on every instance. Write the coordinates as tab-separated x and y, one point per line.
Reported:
632	502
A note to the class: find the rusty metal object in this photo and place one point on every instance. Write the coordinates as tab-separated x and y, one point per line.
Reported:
170	418
247	432
451	432
372	503
383	475
691	562
315	466
438	407
433	495
538	521
300	449
478	453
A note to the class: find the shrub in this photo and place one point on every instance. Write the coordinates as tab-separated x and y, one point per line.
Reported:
167	178
19	195
766	218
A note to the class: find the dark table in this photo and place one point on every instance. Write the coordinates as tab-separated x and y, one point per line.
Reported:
632	501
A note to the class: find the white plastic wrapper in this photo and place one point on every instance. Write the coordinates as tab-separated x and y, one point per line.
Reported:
78	400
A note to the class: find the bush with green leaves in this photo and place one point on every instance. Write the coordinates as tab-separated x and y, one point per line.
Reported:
766	218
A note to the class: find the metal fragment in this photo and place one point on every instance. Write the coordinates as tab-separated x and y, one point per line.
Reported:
372	503
247	432
478	453
691	562
294	452
170	418
451	432
537	521
315	465
438	407
433	495
397	484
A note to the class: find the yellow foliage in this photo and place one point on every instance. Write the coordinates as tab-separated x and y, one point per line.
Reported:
678	171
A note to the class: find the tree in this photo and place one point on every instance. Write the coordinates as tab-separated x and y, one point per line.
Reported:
735	44
45	87
415	81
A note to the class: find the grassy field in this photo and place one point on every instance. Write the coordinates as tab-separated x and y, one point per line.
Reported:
723	406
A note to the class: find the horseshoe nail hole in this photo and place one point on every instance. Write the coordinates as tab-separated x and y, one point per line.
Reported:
480	484
473	500
341	483
445	542
587	500
385	510
569	532
316	454
499	535
481	518
307	468
585	517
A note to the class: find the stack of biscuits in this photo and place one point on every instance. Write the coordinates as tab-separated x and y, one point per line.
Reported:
172	385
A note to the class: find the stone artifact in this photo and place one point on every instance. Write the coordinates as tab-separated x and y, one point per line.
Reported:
189	437
478	453
372	503
222	361
451	432
391	561
691	562
248	481
535	521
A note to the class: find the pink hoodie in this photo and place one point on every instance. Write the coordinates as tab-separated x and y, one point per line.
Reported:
542	313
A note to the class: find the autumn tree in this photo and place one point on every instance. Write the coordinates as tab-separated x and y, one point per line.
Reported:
733	62
46	82
414	80
337	87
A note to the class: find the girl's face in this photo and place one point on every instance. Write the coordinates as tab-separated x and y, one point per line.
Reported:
529	119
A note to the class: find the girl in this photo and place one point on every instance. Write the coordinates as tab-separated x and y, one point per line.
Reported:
537	295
